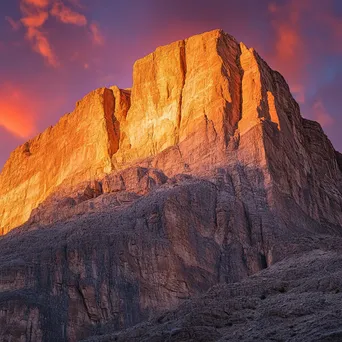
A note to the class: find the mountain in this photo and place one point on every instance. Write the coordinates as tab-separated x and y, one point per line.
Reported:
203	173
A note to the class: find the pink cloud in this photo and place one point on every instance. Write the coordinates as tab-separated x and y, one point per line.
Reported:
321	115
96	34
42	46
14	24
17	113
67	16
37	3
299	92
33	19
289	54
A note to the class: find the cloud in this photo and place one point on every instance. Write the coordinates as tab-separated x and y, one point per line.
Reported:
67	16
96	34
76	3
33	19
321	115
37	3
17	115
298	91
42	46
14	24
289	54
288	42
35	14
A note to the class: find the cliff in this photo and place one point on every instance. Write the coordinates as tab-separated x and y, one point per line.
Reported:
78	148
203	173
195	104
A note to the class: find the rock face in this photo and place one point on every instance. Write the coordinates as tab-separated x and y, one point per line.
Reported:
291	301
78	148
203	173
194	105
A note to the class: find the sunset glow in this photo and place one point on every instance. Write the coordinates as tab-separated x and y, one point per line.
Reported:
53	52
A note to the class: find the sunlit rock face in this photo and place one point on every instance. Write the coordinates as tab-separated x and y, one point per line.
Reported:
195	104
78	148
203	173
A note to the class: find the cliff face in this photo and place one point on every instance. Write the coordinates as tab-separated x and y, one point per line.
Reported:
205	172
78	148
195	104
290	301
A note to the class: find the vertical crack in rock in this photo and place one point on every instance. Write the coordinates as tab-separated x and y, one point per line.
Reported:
180	101
111	122
229	51
84	301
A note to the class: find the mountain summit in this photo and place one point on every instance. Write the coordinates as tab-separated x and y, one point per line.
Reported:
203	173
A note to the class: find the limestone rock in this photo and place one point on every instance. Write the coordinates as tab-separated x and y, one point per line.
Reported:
291	301
78	148
203	173
195	105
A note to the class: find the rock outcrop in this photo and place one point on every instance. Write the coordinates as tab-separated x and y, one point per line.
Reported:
77	149
203	173
290	301
195	105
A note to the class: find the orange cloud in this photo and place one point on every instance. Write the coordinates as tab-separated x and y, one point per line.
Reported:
33	19
42	46
36	3
96	34
321	115
16	114
289	53
288	42
67	15
35	13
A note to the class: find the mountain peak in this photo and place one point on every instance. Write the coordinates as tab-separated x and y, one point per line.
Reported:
195	105
203	173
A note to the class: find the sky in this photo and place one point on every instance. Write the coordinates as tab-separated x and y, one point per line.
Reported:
53	52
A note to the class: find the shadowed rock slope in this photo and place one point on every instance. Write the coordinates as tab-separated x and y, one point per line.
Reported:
295	300
203	173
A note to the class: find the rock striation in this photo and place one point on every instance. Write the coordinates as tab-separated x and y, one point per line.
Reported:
195	104
290	301
78	148
203	173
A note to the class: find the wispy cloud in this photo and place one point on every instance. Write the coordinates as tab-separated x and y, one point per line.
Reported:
321	114
14	24
76	3
66	15
42	45
34	15
96	34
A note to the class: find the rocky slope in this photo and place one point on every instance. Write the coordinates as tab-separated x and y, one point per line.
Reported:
295	300
203	173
